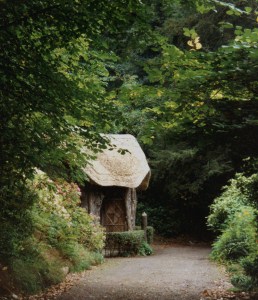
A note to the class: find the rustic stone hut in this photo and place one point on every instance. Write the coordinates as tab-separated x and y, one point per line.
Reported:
114	179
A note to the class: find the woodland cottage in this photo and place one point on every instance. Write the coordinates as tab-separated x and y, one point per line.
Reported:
114	180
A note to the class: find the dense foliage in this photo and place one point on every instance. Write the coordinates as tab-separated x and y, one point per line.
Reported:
54	74
235	215
64	236
179	75
195	110
53	77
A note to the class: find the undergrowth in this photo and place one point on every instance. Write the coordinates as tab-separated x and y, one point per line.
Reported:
234	215
63	237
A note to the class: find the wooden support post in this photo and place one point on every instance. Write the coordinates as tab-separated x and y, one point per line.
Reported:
144	225
128	206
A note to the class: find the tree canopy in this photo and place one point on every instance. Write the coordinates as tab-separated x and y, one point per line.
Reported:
54	65
179	75
194	104
53	77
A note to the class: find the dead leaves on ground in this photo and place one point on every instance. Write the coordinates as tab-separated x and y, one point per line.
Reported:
226	295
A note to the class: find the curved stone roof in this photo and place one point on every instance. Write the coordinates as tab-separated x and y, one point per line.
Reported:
112	168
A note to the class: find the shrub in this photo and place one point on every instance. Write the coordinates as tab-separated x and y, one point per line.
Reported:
34	274
250	266
150	233
234	215
58	217
89	232
224	207
61	235
242	282
125	243
239	239
15	212
79	257
145	249
37	266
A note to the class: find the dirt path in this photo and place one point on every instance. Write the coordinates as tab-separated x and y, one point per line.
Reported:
173	272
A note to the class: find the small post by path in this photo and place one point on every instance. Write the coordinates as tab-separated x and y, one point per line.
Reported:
144	225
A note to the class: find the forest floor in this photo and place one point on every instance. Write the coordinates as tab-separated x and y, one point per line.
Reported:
175	271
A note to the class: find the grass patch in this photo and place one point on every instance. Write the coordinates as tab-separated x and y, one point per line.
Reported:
79	257
32	275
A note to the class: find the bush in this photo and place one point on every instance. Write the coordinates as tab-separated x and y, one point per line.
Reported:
150	233
250	266
37	266
58	217
79	257
16	203
225	207
242	282
33	274
234	215
61	235
239	239
125	243
145	249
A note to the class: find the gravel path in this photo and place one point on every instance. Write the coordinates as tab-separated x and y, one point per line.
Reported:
173	272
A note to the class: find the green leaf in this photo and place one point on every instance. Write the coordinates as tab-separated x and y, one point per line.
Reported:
187	32
230	12
226	25
248	9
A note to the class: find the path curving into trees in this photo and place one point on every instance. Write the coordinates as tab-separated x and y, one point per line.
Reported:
173	272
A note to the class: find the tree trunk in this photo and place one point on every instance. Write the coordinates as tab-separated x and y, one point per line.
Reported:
92	200
133	206
95	200
130	204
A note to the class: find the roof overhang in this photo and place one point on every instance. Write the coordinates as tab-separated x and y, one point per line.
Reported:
111	168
